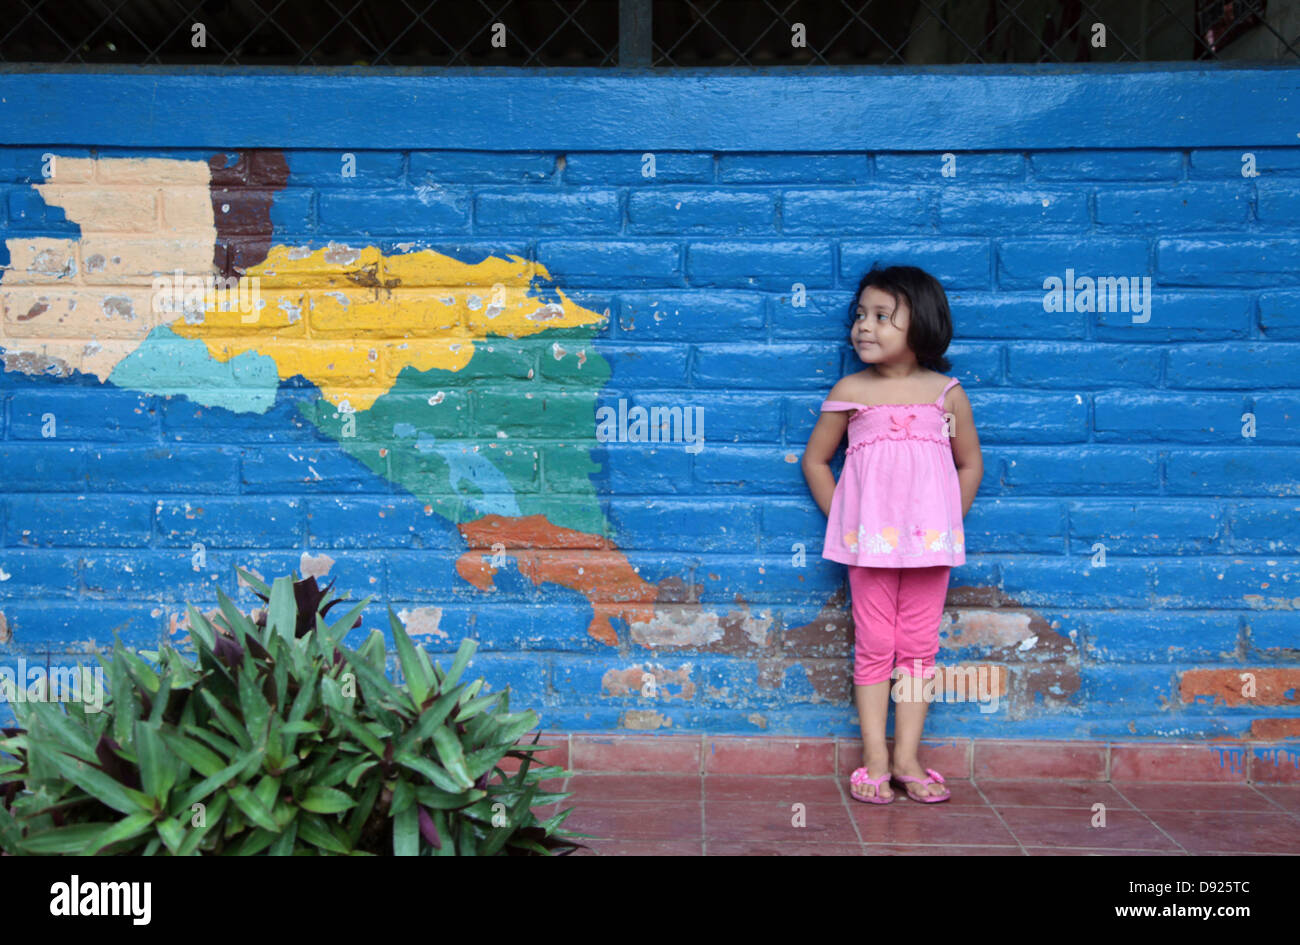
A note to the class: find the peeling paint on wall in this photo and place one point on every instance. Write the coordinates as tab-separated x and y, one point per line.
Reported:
1283	756
644	719
699	627
1043	664
1242	686
317	566
651	681
1274	729
1233	757
422	621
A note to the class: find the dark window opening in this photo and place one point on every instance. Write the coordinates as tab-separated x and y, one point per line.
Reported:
660	34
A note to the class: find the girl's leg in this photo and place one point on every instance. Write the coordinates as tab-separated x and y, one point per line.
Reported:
875	598
921	597
873	706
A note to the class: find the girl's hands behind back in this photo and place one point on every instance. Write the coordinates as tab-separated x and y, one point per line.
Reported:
825	439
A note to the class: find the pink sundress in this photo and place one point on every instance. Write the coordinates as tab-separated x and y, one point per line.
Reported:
898	500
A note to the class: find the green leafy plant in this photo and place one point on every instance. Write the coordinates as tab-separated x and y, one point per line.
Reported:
278	739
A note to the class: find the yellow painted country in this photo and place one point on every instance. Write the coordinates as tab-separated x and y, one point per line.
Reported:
384	313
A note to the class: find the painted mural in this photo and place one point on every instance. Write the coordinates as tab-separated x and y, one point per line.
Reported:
423	423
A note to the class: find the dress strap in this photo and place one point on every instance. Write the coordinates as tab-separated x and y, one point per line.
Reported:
841	405
945	391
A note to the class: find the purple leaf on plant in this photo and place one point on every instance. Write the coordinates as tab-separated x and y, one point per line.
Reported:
428	830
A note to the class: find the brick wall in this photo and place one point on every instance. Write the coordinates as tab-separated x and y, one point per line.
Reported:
461	273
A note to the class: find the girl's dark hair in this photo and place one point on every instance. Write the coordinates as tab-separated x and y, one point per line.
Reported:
930	329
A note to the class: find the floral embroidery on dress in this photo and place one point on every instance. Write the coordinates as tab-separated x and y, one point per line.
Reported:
887	541
881	543
944	541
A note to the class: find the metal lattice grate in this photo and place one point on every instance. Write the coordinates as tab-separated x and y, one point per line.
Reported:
931	32
644	33
538	33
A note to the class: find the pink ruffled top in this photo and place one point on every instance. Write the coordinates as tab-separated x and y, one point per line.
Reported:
898	500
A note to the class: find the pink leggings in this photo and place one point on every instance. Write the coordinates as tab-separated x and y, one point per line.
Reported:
896	617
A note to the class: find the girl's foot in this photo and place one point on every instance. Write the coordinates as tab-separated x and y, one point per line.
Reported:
912	768
876	765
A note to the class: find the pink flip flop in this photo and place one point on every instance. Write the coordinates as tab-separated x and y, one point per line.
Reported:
935	777
863	776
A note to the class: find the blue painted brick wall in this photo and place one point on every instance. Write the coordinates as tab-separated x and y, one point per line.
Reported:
1133	546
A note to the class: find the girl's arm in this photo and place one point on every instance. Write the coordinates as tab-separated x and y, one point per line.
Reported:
822	444
966	455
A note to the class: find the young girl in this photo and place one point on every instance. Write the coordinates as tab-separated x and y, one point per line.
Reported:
910	474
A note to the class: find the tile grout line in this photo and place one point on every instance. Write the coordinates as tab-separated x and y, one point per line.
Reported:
1014	836
846	800
1264	794
1150	820
970	761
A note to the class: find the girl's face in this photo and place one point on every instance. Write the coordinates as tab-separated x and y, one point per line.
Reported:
879	335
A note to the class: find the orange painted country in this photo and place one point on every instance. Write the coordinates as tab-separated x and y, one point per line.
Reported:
581	561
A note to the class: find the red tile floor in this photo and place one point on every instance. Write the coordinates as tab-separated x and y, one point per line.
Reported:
728	796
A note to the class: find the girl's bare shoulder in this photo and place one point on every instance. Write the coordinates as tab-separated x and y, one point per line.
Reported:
930	380
845	388
849	387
